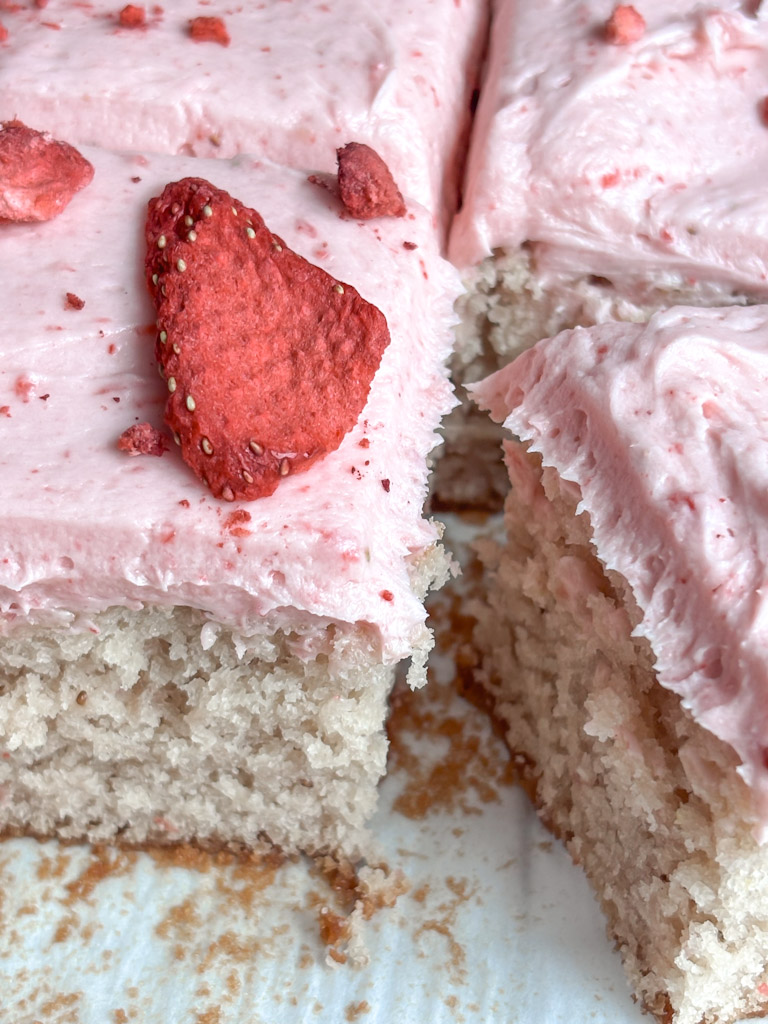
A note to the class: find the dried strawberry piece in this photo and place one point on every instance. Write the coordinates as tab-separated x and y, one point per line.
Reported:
72	301
38	175
209	30
268	359
132	16
625	25
3	33
366	185
142	439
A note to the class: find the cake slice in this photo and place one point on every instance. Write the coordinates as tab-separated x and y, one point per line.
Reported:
175	666
623	636
288	81
612	172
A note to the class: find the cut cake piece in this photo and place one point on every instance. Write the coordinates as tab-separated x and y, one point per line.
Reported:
295	82
623	636
175	667
609	180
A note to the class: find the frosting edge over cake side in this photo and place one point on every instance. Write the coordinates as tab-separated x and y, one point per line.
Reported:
662	430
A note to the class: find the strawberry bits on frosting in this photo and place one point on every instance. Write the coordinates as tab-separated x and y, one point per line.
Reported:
38	174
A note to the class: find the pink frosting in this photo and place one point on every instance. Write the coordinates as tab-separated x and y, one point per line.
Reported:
645	160
85	526
664	429
297	81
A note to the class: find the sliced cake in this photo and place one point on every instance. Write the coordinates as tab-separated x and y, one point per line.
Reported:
176	665
289	81
615	168
624	640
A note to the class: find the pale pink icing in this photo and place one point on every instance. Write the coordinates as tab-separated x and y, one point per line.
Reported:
85	526
298	80
644	161
664	428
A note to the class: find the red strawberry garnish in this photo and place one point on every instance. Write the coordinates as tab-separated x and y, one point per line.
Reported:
366	185
209	30
38	175
625	25
142	439
132	16
267	358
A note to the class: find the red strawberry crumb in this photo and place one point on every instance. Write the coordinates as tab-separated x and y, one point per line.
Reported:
366	186
763	110
387	595
410	246
267	358
41	4
209	30
625	25
38	175
142	439
74	301
5	410
184	503
386	485
364	443
3	33
132	16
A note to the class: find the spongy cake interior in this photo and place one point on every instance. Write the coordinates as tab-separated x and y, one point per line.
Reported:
647	801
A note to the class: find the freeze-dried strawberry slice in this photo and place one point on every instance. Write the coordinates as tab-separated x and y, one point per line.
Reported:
38	175
366	185
268	359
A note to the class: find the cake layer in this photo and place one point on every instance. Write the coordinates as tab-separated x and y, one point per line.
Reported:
295	82
637	162
663	429
86	527
647	801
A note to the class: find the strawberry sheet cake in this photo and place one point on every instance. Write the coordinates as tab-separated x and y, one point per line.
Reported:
624	636
289	81
202	651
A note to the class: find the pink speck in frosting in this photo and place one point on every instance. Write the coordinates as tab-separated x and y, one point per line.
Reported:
386	485
72	301
235	523
23	387
387	595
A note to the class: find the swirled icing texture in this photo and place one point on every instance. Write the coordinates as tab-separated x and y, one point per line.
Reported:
664	428
85	527
643	161
297	81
